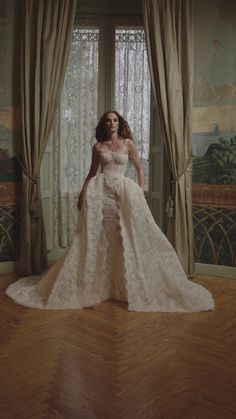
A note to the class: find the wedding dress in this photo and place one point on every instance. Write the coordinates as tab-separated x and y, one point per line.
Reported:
118	252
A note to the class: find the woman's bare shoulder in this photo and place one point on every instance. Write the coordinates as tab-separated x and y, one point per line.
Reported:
96	147
130	143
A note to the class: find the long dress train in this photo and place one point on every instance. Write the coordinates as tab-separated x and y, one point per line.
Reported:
118	252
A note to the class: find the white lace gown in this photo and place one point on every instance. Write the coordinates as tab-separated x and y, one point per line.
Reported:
118	253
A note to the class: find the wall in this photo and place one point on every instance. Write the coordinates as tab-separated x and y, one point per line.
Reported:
106	7
214	132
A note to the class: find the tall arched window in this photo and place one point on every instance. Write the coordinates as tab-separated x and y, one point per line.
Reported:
107	69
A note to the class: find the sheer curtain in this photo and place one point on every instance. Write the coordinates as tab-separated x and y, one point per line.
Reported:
132	89
73	131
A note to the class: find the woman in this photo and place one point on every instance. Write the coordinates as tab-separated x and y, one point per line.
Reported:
118	251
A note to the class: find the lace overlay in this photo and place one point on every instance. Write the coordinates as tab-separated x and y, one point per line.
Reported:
118	252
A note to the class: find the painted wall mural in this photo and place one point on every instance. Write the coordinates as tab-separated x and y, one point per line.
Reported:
214	133
10	177
10	173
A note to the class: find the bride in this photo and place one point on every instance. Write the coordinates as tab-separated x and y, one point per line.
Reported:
118	251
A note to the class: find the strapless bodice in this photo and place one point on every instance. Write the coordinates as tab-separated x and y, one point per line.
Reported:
113	162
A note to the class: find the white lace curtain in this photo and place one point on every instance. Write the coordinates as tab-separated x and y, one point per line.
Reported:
73	133
132	89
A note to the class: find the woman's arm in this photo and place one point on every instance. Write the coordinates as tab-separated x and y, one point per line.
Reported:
92	172
137	163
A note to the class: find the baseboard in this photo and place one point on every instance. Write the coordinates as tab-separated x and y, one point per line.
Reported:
10	267
7	267
215	270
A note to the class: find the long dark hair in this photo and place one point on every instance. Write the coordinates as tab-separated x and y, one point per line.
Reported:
124	130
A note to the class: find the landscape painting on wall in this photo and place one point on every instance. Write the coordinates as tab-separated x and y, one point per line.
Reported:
214	132
10	177
214	185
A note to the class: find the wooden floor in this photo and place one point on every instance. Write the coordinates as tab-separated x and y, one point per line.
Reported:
108	363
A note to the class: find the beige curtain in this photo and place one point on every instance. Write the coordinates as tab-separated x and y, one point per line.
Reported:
168	27
45	41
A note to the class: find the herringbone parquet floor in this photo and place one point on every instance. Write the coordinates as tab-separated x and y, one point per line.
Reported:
108	363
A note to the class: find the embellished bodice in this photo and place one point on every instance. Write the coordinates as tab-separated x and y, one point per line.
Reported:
113	162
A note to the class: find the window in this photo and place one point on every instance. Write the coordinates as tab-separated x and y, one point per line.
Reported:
107	69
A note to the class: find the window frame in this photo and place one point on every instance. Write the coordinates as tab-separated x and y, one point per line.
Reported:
106	68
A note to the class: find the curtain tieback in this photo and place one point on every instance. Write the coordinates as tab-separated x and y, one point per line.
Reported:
31	178
186	167
170	203
34	204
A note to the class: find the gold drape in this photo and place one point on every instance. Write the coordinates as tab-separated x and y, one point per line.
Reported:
168	28
46	30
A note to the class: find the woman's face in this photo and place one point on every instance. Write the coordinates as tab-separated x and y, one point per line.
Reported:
112	123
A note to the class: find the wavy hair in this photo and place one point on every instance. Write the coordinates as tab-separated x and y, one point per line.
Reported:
124	130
